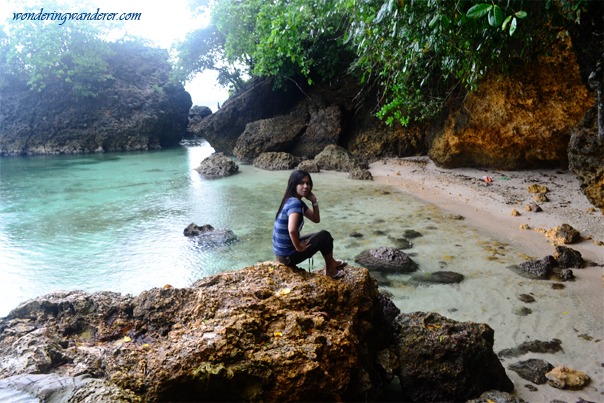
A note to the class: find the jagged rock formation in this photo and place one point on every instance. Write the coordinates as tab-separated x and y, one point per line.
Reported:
138	108
586	158
263	333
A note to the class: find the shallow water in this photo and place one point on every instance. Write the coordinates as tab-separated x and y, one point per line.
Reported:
115	222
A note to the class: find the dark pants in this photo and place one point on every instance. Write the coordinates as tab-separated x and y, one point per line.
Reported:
319	242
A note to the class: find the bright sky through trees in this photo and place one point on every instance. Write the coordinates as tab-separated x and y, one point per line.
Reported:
162	23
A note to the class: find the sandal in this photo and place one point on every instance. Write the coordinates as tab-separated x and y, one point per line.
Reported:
338	275
341	264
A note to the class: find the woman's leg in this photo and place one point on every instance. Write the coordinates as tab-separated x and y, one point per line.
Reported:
322	241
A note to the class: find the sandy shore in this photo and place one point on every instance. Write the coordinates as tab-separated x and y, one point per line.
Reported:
488	207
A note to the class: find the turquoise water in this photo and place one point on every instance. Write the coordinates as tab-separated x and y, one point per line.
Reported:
115	222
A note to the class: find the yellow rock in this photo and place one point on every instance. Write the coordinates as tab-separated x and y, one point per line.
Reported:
515	213
537	189
563	377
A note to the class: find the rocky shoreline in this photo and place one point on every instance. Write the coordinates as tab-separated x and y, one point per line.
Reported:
262	333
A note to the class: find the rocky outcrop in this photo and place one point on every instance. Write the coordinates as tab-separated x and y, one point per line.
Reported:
263	333
430	348
270	135
524	121
217	165
337	158
196	115
258	101
274	161
137	108
324	128
586	158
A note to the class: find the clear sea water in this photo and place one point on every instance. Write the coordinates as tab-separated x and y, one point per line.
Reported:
115	222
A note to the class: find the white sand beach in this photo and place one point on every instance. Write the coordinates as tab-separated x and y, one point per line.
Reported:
575	315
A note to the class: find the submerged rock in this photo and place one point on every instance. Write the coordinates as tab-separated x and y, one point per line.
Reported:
208	236
537	269
387	260
534	346
438	277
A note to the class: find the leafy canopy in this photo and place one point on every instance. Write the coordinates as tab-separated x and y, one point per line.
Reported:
419	53
49	54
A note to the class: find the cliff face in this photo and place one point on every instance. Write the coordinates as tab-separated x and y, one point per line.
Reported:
523	121
518	122
136	109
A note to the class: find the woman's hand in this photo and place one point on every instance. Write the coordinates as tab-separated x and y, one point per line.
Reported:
311	197
304	245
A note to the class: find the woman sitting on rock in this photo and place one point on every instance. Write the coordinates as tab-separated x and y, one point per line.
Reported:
289	247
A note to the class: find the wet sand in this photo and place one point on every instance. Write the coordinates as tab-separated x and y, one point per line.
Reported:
576	314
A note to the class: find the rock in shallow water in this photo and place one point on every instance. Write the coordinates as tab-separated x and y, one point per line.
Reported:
386	260
438	277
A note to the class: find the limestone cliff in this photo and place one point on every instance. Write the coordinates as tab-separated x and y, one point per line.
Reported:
138	108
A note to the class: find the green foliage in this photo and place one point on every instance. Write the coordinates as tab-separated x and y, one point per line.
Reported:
496	16
281	38
420	53
44	54
203	49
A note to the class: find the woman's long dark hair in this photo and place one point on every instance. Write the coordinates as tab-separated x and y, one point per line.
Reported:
294	180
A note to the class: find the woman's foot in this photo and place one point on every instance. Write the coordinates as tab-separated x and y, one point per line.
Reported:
336	271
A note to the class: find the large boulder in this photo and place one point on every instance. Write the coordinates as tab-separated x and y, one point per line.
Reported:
137	108
387	260
262	333
276	134
522	122
275	161
217	165
324	128
259	100
444	360
336	158
586	158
